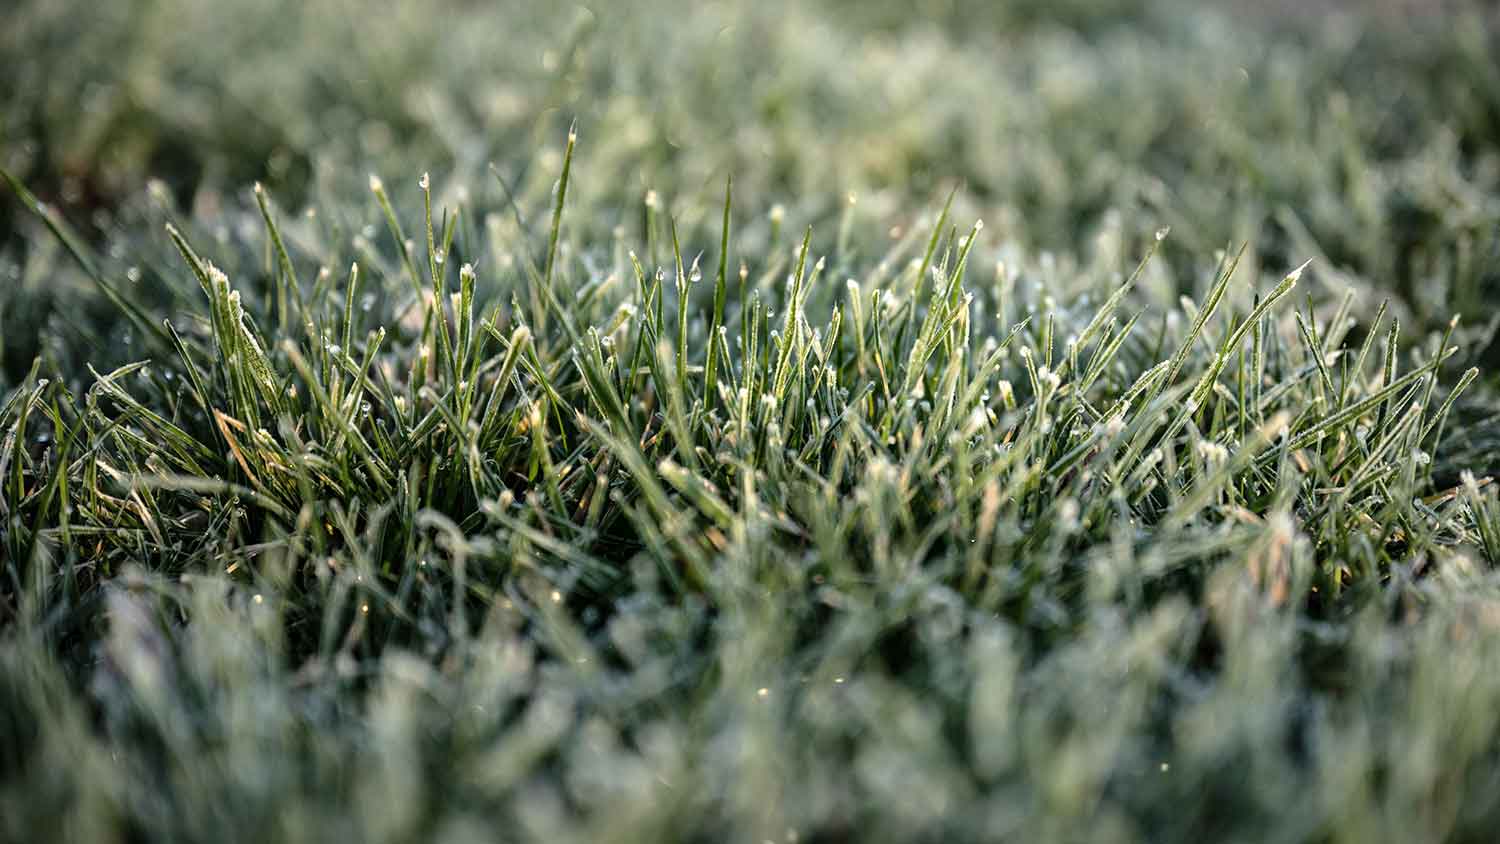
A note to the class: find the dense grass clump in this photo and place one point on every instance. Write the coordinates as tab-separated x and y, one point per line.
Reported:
709	471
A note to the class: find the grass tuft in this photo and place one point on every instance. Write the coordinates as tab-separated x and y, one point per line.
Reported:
1079	524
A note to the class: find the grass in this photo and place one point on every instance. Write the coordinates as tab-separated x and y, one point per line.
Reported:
728	479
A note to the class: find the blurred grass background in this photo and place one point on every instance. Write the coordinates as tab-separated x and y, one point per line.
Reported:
1362	133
